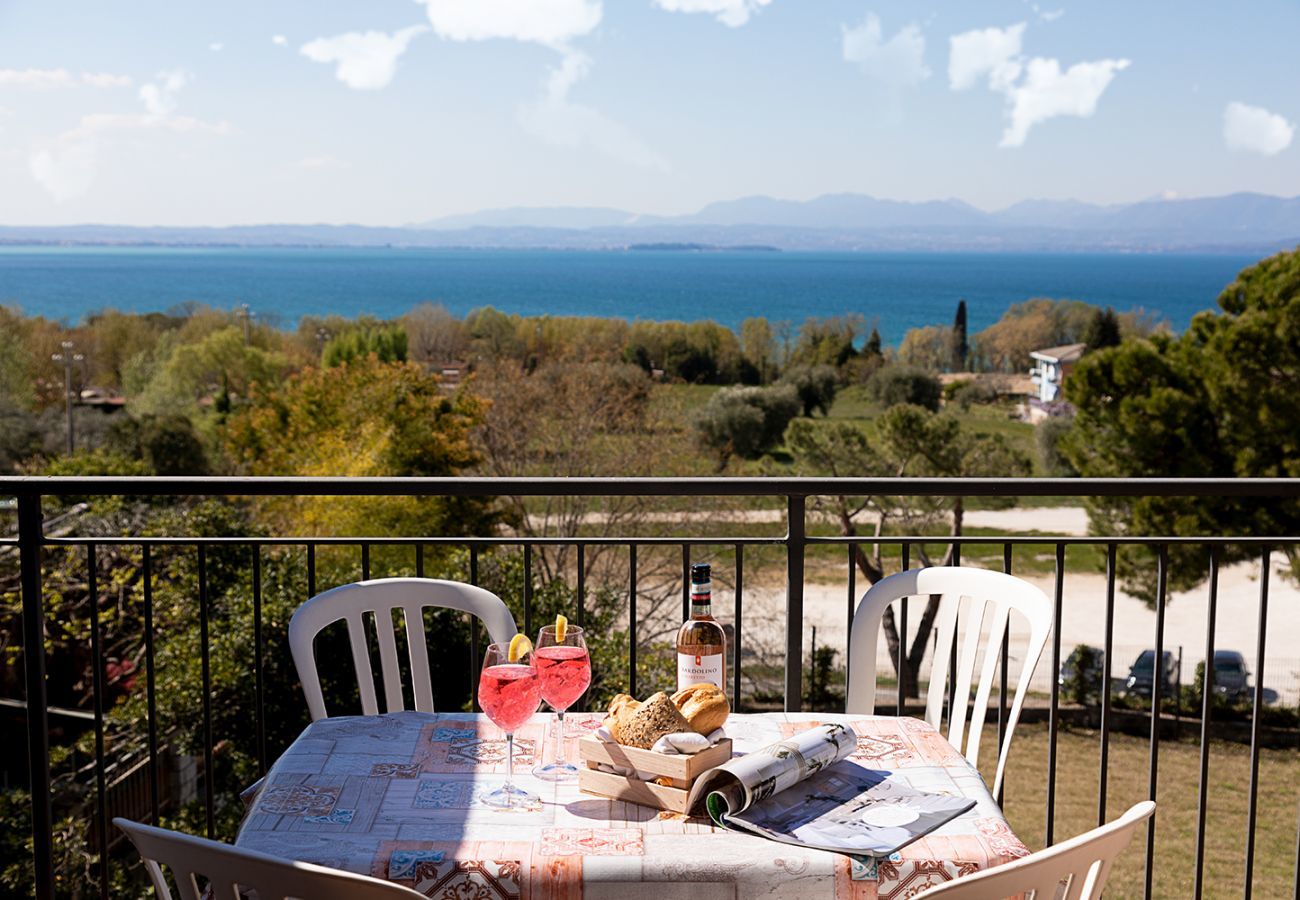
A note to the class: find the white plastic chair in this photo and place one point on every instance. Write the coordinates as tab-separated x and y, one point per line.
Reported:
1085	861
381	596
987	590
227	869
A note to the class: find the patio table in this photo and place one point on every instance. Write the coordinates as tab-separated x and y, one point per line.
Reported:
395	796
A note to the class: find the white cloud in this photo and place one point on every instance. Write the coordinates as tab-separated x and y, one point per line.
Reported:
67	164
1035	89
320	163
550	22
899	61
986	51
1255	129
366	61
60	78
733	13
557	120
1046	92
216	46
159	97
279	40
1051	15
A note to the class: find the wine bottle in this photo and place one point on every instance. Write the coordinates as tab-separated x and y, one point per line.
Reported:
701	642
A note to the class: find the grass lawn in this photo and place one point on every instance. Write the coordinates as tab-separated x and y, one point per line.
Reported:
1176	798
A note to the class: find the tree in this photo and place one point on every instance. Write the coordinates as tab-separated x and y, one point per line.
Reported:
386	343
960	343
928	347
1032	325
816	386
1103	331
1218	401
908	441
895	384
434	335
826	341
872	346
747	421
757	343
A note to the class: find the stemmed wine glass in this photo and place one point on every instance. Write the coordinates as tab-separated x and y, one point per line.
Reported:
509	693
564	667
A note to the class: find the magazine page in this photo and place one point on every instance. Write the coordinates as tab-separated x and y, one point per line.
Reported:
848	808
749	779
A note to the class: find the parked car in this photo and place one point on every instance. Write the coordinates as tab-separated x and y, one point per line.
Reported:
1231	678
1141	675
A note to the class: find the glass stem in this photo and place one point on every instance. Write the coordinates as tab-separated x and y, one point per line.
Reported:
559	738
510	761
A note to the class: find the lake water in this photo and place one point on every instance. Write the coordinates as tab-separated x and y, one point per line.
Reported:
897	291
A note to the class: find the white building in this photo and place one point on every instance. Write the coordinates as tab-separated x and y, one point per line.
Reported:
1051	366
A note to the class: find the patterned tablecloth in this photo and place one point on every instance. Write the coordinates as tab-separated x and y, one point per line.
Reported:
394	796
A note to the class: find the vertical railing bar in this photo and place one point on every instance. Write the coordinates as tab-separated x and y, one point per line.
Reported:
795	537
365	562
97	687
1053	712
528	589
206	681
904	671
735	651
686	582
1157	690
582	586
473	628
31	537
1003	667
419	560
631	619
311	570
1265	564
848	619
1107	653
151	693
1207	696
258	686
952	654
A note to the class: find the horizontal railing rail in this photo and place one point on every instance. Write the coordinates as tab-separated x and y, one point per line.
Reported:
32	540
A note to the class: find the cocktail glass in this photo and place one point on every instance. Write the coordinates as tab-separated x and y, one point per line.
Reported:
564	668
509	692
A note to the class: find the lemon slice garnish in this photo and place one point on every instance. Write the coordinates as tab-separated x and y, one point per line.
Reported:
561	628
519	646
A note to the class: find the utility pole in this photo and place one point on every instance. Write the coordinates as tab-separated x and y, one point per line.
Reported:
68	358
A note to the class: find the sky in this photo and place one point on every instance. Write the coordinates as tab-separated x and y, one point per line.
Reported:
393	112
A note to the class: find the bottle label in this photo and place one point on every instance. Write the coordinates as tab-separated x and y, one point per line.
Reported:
695	669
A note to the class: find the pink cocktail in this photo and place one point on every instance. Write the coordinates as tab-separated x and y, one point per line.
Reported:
509	694
565	673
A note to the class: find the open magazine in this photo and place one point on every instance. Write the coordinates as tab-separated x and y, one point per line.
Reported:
806	791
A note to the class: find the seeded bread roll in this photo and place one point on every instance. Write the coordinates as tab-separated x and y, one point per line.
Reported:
704	706
655	717
621	709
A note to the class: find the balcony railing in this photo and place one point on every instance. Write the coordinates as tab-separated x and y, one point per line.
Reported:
33	539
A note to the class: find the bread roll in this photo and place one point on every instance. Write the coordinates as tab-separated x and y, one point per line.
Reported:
653	719
621	709
704	706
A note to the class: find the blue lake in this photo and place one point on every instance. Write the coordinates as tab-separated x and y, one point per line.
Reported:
897	291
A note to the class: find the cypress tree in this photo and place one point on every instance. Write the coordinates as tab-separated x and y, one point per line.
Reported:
960	343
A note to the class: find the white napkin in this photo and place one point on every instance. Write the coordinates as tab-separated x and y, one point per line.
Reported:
685	742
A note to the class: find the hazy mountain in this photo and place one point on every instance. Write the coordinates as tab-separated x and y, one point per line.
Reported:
1240	222
535	217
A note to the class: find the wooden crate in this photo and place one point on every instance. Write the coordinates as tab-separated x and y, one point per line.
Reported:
680	769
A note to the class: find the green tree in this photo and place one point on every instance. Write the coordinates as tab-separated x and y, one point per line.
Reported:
1103	331
826	341
386	343
908	441
895	384
960	341
757	343
747	421
1218	401
816	386
928	348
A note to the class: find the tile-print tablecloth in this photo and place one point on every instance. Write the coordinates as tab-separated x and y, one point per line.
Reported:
396	796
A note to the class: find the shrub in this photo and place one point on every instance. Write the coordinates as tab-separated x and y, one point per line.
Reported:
897	384
747	421
967	393
816	386
1047	435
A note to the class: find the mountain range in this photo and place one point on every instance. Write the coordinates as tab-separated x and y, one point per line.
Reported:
1235	222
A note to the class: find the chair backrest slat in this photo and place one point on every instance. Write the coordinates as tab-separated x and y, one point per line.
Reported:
380	597
229	871
1086	861
991	596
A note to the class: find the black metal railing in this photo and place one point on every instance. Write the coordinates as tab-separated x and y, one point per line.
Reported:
31	541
